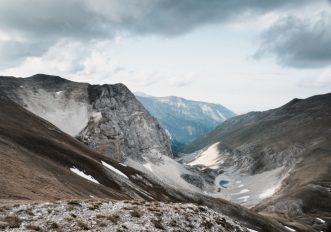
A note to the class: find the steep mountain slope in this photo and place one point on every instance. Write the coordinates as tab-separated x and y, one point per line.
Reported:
107	118
277	161
39	162
184	120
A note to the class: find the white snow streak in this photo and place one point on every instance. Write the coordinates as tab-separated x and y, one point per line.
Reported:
320	220
251	230
241	192
114	169
82	174
289	229
269	192
244	198
148	167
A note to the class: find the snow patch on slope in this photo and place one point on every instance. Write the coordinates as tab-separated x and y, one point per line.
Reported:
148	167
114	169
209	158
166	171
251	230
320	220
269	192
259	186
289	229
82	174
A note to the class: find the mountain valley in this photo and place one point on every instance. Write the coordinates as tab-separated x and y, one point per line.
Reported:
62	141
40	163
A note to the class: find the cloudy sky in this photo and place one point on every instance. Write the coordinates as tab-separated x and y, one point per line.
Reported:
245	54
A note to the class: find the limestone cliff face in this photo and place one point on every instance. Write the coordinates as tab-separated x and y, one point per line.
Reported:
121	127
107	118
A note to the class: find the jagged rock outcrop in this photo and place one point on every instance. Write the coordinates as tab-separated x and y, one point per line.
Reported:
121	127
107	118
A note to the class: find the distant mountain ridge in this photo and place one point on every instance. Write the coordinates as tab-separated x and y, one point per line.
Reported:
184	120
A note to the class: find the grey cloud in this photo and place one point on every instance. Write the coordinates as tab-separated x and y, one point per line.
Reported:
173	17
299	43
12	52
51	20
95	18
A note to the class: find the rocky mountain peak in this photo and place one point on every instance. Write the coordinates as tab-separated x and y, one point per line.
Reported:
107	118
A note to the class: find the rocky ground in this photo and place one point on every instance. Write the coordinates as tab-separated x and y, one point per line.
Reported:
97	215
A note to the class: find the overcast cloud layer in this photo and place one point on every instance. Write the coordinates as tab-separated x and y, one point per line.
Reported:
302	43
29	22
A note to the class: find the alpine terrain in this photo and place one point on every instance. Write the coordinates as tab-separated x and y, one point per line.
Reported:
51	181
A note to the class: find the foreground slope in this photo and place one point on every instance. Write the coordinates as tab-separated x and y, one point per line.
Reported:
184	120
278	161
101	215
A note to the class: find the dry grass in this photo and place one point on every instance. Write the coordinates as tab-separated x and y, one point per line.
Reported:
33	227
53	225
114	218
136	213
207	224
83	225
74	203
158	224
13	221
95	206
154	209
102	224
29	212
173	223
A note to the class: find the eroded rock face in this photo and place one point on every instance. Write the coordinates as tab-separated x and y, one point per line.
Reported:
121	127
107	118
